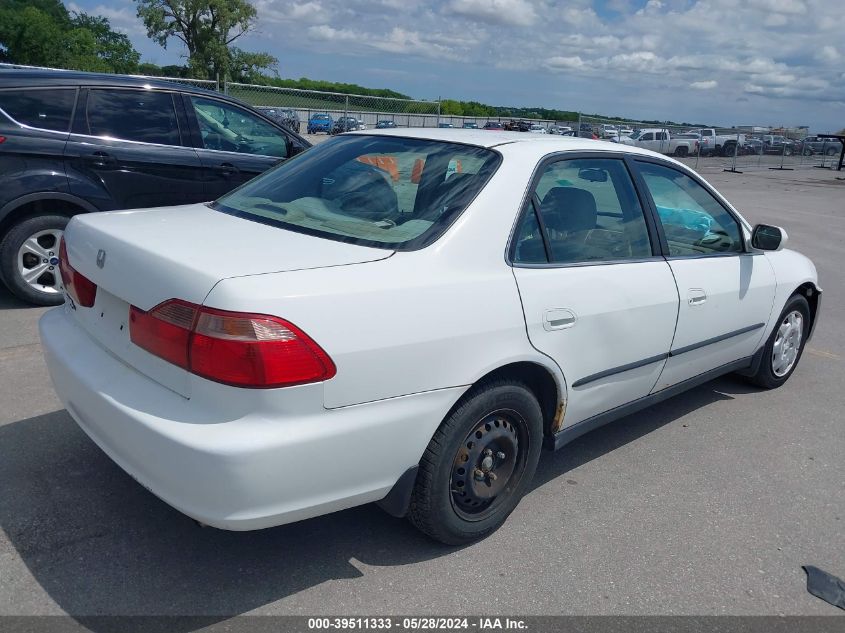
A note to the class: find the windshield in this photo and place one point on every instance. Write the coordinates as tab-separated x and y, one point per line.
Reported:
386	192
637	135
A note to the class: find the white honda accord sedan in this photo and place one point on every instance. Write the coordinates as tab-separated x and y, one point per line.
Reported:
408	316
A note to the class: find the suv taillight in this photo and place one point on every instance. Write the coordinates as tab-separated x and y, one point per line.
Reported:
81	289
234	348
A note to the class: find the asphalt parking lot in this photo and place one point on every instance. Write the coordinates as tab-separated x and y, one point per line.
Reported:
708	503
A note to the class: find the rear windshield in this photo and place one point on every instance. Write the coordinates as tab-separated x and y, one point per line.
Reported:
386	192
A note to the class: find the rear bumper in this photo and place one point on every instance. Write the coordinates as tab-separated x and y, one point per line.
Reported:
277	460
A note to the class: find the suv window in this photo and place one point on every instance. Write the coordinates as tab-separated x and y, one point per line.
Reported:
228	128
133	115
590	212
49	109
695	223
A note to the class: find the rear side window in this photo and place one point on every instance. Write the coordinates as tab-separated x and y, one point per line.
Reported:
47	109
133	115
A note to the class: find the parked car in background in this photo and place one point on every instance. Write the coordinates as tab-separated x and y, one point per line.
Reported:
660	140
211	356
494	125
559	129
815	145
443	124
752	146
77	142
347	124
776	144
536	128
288	118
386	124
717	144
470	125
625	131
320	122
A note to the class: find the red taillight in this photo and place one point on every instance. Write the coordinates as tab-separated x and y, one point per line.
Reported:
2	139
81	289
244	350
164	331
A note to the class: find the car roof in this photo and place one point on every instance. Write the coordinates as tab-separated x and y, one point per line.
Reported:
482	138
31	77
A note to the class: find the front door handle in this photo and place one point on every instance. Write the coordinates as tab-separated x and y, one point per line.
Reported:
697	296
558	319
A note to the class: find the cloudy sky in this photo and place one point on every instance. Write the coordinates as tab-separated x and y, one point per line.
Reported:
729	62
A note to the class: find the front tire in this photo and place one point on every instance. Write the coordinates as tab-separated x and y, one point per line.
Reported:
785	345
479	463
29	259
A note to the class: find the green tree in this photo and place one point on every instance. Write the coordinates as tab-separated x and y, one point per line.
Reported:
43	33
207	28
112	50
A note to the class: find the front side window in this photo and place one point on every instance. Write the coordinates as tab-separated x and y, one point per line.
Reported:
49	109
228	128
373	190
694	222
146	116
590	212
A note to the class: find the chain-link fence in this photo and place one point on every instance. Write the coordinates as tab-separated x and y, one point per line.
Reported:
301	105
733	149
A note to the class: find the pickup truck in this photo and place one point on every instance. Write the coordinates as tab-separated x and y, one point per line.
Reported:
659	140
718	144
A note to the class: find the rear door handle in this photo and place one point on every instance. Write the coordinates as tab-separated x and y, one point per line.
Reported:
101	159
697	296
226	169
558	319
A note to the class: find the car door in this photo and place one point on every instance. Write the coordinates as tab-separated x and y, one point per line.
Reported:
726	293
126	150
234	144
597	298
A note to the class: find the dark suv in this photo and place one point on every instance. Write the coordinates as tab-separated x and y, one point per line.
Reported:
78	142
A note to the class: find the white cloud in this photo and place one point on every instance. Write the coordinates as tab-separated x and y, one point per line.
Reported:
704	85
564	63
828	54
513	12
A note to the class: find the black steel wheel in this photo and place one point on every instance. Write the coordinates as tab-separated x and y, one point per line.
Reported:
479	463
485	463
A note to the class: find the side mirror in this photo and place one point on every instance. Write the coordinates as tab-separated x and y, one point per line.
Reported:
768	238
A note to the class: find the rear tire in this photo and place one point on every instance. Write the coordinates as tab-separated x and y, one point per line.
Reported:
479	463
831	151
785	345
681	151
19	264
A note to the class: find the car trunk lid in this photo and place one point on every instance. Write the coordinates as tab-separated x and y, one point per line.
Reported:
145	257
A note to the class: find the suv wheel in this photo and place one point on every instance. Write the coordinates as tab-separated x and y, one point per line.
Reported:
29	259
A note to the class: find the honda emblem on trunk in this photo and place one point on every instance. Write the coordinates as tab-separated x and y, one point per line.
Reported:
101	258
